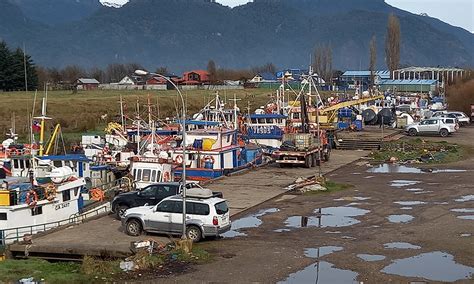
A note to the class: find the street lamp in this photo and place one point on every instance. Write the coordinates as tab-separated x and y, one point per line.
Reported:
183	126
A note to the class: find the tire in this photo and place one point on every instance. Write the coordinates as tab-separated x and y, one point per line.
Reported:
120	211
133	227
193	233
412	132
308	161
444	132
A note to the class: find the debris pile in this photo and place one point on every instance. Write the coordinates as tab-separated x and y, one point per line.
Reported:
417	151
312	183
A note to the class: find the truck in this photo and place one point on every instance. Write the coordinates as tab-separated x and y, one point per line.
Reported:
303	149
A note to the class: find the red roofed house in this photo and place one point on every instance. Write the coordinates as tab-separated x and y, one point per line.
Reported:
196	77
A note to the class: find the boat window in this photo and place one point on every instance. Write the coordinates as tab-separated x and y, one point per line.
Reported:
74	165
135	173
261	120
38	210
269	120
58	164
153	176
254	120
138	177
15	163
27	164
3	216
146	175
66	195
296	115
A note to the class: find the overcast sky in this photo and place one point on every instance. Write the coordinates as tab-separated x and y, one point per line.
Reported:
455	12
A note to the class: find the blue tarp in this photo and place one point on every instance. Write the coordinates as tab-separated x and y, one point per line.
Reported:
68	157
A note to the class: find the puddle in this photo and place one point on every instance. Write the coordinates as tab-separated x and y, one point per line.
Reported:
400	218
371	257
352	198
441	203
414	189
251	221
322	251
465	235
448	171
463	210
466	217
409	203
328	217
400	245
393	168
356	173
403	182
348	238
321	272
435	266
465	198
369	177
406	208
423	192
333	232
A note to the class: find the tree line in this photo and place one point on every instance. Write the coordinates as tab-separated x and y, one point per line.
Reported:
13	64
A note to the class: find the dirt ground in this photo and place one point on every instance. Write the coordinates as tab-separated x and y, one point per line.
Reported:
275	249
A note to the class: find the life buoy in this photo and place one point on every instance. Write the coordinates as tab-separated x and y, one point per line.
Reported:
97	194
50	192
179	159
31	198
166	177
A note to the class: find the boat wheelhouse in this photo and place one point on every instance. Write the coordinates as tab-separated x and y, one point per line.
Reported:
150	170
266	129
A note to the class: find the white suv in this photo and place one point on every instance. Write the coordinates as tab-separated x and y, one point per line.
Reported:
463	119
431	126
206	216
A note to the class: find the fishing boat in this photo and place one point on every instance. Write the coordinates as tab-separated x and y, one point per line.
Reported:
27	208
212	153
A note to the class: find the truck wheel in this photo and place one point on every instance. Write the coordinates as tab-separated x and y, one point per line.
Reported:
308	161
412	132
443	132
133	228
193	233
120	211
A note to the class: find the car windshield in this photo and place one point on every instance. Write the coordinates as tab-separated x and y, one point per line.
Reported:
221	208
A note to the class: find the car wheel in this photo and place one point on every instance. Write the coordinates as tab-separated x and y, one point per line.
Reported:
193	233
133	228
120	211
412	132
443	132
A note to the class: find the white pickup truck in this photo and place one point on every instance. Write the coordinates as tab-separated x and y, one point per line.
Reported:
431	126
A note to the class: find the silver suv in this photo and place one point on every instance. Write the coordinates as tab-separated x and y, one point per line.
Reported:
205	216
462	118
431	126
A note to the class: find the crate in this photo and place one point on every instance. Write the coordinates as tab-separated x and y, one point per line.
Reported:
302	141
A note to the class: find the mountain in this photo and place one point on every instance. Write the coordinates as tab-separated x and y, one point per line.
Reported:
183	34
54	12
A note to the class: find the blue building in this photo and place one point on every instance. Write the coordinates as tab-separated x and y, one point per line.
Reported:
351	80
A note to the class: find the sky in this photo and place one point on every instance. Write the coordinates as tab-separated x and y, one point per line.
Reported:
458	13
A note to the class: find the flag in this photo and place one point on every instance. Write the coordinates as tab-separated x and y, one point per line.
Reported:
36	126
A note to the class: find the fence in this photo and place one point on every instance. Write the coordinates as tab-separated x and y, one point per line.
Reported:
164	87
15	234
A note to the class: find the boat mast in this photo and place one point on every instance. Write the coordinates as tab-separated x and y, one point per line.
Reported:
121	113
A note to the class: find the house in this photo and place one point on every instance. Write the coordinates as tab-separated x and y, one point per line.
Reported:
195	77
157	80
264	77
362	79
87	84
132	80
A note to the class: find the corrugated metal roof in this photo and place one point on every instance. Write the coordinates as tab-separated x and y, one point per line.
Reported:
365	73
88	81
428	69
408	82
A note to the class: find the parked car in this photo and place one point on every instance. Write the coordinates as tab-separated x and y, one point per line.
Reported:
431	126
150	195
461	116
206	216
